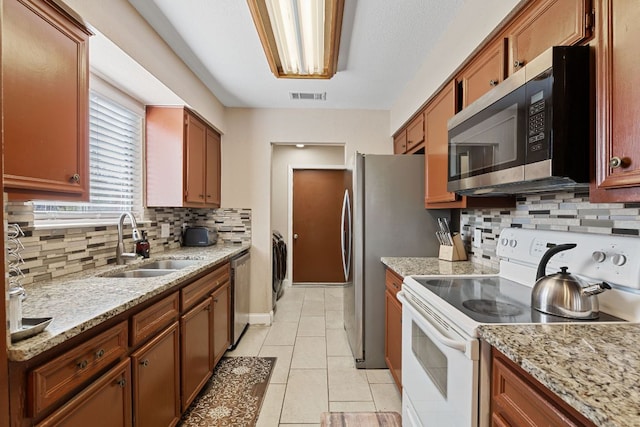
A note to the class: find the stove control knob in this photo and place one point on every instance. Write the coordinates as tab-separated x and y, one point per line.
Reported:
504	241
619	259
598	256
513	243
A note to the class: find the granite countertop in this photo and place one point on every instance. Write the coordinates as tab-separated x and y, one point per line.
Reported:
83	300
407	266
595	368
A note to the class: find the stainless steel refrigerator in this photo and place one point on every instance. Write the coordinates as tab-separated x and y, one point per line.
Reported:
383	214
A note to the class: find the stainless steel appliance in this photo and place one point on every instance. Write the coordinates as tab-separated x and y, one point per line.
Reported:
530	133
240	285
445	367
279	266
383	215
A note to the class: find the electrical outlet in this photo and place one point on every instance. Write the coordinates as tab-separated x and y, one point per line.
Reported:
477	237
165	230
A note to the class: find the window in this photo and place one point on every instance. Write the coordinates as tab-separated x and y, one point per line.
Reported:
115	134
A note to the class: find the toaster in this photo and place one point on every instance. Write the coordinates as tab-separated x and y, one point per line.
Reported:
199	236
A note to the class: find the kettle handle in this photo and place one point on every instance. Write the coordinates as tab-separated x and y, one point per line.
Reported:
542	267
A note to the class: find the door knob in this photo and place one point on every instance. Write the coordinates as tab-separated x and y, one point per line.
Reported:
295	236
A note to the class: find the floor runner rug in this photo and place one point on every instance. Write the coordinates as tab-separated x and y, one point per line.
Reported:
234	394
361	419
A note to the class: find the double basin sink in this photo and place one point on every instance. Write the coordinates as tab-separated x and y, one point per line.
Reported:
154	269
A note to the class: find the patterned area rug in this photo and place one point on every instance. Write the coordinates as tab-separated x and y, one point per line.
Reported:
234	394
361	419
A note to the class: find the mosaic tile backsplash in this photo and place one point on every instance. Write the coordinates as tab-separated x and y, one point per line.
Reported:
53	252
550	211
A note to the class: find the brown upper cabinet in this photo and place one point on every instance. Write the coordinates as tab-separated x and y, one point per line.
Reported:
183	159
546	23
400	142
45	102
485	71
415	133
617	177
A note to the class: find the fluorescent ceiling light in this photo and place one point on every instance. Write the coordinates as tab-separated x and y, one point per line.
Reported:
300	37
300	145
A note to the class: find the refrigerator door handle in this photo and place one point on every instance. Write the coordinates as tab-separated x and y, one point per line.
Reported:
345	235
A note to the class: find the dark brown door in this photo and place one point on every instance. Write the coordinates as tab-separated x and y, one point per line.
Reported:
317	209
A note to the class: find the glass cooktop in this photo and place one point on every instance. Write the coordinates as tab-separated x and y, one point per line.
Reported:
494	300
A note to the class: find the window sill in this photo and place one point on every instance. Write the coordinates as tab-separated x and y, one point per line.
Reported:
91	223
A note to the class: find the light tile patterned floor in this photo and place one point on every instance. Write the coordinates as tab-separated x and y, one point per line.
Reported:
314	372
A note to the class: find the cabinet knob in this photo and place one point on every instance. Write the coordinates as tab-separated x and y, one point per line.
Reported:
215	300
144	362
82	364
201	196
493	83
518	63
122	382
75	178
99	353
617	162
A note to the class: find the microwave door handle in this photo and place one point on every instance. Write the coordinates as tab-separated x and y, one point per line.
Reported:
461	346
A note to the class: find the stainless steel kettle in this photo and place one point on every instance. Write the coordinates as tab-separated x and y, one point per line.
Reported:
562	294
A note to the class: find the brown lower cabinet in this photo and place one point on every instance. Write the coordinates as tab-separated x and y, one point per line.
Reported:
519	400
142	368
156	380
393	327
105	403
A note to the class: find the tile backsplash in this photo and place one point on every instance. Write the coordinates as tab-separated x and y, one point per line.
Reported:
563	211
53	252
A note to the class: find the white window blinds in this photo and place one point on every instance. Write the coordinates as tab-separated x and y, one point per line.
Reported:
115	134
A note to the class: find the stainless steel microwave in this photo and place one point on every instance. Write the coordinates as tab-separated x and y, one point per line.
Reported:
530	133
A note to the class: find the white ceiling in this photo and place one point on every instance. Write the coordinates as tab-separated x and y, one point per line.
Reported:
383	44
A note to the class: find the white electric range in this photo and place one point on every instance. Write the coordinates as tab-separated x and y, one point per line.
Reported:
445	367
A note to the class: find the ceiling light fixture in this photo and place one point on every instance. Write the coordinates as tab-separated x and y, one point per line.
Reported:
300	37
300	145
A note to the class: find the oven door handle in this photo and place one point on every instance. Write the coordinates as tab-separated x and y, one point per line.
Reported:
461	346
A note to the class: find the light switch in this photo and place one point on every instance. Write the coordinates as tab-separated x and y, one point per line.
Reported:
477	237
165	231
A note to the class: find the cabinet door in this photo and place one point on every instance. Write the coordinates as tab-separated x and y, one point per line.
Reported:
483	73
617	108
196	350
400	143
221	321
195	146
105	403
548	23
415	132
45	103
393	337
441	109
156	380
212	170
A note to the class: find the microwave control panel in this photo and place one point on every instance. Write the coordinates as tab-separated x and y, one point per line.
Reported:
536	125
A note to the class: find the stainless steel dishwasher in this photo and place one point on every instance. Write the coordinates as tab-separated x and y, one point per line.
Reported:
240	287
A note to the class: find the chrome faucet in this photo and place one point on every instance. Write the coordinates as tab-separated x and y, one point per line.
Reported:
121	255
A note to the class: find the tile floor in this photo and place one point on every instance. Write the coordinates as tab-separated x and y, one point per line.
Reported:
314	372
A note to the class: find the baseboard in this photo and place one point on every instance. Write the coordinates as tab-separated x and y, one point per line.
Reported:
261	318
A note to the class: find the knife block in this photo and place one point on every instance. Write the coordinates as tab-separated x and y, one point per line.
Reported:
455	252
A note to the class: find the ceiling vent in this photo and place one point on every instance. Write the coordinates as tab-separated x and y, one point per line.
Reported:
308	96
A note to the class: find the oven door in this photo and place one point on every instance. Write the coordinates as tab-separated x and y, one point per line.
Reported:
439	369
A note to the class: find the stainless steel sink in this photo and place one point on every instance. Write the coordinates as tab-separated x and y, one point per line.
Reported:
133	274
169	264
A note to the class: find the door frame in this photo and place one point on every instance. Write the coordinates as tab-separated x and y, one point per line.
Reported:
288	281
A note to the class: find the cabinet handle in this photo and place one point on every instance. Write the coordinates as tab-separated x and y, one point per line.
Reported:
201	196
122	382
493	83
99	353
215	300
617	162
517	64
75	178
145	362
82	364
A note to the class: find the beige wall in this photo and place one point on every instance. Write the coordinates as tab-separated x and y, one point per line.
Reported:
246	166
122	24
475	21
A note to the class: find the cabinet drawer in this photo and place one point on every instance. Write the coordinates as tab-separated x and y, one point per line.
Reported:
393	282
154	318
203	286
55	379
